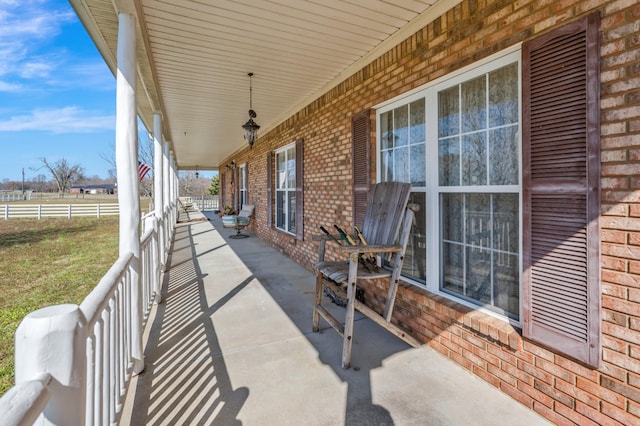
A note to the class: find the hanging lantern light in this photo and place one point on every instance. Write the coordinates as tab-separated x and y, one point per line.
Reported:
251	127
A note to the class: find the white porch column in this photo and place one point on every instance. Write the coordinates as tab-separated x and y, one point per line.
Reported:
173	180
158	182
127	170
158	191
166	187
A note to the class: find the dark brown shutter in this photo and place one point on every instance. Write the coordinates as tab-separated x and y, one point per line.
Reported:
300	189
360	162
561	194
236	189
269	189
246	182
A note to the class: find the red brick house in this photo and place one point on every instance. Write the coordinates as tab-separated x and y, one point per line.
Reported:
516	121
518	124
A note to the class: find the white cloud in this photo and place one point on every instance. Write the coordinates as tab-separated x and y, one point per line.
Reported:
62	120
26	26
9	87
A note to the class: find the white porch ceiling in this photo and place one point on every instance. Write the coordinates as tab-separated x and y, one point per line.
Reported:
194	57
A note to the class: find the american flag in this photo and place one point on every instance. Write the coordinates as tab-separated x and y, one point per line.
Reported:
143	169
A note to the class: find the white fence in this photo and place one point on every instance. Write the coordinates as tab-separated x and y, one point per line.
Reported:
204	203
15	197
17	211
87	348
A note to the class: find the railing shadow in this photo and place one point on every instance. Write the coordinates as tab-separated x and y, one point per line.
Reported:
186	379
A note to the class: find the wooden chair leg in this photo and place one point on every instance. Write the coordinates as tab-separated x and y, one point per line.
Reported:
347	339
316	302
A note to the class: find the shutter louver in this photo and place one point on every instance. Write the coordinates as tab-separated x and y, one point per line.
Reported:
300	189
561	172
360	160
269	189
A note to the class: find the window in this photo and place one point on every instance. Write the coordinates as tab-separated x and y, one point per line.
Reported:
512	200
478	187
402	157
242	185
458	143
286	189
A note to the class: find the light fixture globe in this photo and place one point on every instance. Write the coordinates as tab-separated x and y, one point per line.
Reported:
251	127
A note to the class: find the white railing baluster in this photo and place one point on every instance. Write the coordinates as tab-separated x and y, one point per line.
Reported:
90	372
99	377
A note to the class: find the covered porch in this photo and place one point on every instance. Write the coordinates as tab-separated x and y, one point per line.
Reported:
232	344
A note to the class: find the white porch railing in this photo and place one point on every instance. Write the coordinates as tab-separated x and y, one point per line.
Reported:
74	363
204	203
19	211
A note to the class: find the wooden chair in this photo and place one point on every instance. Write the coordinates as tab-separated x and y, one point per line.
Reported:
386	212
239	221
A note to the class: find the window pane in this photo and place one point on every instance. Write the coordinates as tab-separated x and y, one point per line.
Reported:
451	212
506	223
417	121
416	254
418	168
506	254
386	130
478	220
474	159
292	211
280	209
449	162
291	173
503	96
480	255
401	125
474	101
503	156
452	268
478	279
280	170
386	167
448	112
401	165
507	287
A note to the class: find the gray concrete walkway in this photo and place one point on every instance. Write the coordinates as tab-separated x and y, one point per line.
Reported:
232	344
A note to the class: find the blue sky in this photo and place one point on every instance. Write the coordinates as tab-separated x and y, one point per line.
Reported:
57	96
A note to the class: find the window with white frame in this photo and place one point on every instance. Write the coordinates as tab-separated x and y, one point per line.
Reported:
458	142
286	189
242	184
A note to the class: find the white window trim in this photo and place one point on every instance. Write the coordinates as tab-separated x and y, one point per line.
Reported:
432	228
287	190
242	187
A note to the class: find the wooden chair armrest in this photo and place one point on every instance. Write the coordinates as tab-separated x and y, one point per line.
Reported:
370	249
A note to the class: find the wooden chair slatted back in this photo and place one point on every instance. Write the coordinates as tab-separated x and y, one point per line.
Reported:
385	210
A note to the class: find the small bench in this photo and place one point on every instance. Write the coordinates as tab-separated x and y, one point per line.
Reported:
239	221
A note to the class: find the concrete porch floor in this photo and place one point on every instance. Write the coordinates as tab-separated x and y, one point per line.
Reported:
232	344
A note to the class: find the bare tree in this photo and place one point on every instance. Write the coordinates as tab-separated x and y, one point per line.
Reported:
39	183
63	173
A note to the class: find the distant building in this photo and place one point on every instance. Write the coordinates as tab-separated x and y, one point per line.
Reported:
109	188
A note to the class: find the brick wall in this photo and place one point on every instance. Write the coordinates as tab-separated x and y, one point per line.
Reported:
558	388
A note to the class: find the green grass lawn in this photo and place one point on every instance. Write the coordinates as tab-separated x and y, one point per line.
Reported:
48	262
